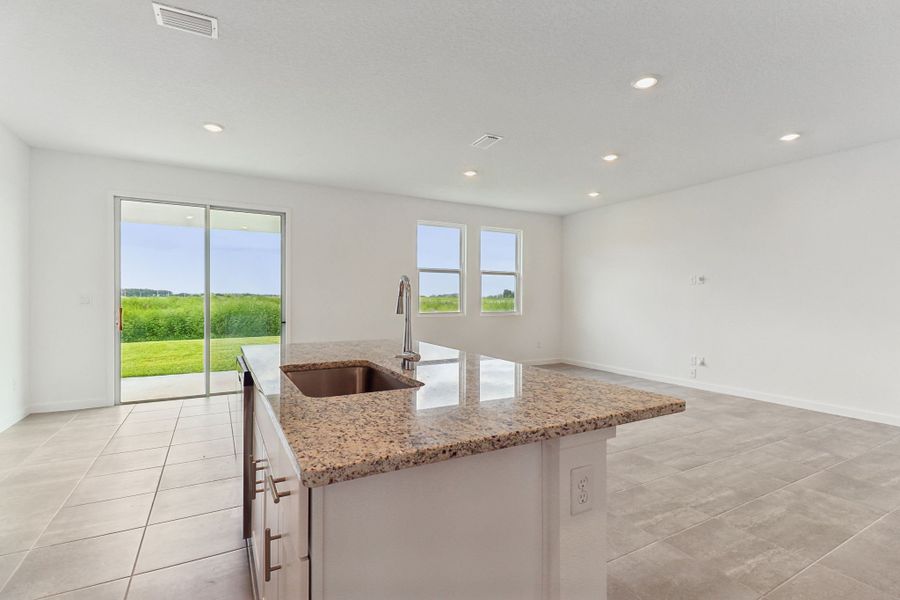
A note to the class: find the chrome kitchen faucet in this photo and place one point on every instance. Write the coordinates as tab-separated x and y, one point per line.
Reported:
404	300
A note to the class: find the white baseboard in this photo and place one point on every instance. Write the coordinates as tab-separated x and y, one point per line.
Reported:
543	361
41	407
833	409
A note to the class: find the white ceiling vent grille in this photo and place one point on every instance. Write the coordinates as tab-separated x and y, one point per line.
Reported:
486	141
186	20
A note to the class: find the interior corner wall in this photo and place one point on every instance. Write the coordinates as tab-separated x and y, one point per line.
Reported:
801	303
14	160
347	250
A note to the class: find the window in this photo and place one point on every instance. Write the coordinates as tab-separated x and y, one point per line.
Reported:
440	258
501	271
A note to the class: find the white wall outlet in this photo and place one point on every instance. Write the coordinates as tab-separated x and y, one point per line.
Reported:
582	489
84	299
693	372
698	279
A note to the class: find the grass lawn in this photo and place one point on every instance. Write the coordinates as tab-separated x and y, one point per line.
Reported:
440	304
142	359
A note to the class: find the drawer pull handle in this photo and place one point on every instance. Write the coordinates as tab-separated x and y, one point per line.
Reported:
276	495
269	568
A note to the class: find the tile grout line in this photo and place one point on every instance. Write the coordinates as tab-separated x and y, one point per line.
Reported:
754	449
63	505
832	551
137	554
666	538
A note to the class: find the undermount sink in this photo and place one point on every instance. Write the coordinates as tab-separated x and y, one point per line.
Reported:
343	381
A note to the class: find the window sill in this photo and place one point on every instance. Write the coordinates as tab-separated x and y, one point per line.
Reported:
517	313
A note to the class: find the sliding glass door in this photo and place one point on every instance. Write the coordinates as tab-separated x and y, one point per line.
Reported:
195	284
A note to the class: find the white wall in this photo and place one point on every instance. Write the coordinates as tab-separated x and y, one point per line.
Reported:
802	301
14	156
347	252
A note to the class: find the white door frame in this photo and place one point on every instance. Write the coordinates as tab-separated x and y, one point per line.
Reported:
207	206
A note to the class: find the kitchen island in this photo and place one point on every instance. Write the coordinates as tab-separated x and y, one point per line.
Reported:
468	477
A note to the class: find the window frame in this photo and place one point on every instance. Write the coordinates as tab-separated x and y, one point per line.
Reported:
520	236
461	272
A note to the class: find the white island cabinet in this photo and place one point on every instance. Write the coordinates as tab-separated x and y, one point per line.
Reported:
481	479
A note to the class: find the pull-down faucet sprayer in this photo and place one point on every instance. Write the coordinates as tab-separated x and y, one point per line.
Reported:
404	300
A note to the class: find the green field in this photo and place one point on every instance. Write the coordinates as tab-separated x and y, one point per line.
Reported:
142	359
163	335
450	303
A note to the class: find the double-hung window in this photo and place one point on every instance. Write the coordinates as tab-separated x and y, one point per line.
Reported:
501	271
440	254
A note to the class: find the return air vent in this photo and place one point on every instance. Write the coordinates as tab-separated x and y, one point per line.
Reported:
185	20
486	141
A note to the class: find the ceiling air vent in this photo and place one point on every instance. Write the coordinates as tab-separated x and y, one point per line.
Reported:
486	141
186	20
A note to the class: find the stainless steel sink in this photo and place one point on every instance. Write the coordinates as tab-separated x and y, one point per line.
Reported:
343	381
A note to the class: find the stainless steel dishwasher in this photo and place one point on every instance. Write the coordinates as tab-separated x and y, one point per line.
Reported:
248	468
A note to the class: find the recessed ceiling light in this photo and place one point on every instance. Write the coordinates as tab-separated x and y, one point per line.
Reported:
594	194
611	157
470	173
244	227
213	127
789	137
645	83
189	217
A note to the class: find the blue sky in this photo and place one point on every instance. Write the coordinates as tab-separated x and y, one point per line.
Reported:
167	257
438	248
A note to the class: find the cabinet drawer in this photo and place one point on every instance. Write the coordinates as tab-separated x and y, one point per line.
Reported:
293	498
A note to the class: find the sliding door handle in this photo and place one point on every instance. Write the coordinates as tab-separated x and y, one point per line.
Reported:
120	318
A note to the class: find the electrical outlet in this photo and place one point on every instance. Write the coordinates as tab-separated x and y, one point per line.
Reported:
693	373
582	489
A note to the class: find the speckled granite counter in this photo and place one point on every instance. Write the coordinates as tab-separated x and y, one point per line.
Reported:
468	404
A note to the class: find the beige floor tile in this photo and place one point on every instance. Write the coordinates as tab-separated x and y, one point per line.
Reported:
114	590
196	499
821	583
157	406
873	556
204	420
175	542
222	577
802	521
117	485
623	536
8	564
200	450
637	468
880	467
205	409
97	518
74	565
209	401
26	510
654	513
200	471
151	416
749	560
715	488
130	443
58	472
616	589
120	462
67	449
873	495
662	571
143	427
202	434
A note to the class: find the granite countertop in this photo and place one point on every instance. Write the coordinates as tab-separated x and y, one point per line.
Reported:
468	404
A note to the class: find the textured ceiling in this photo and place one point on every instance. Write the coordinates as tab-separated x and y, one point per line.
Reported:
387	95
